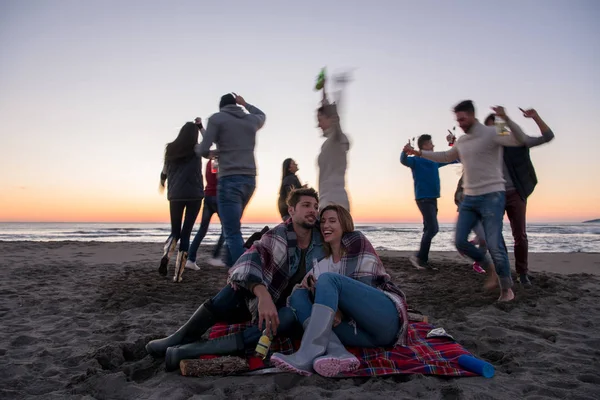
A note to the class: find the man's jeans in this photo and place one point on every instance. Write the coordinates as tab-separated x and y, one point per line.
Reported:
230	306
429	210
489	208
516	210
210	208
376	321
234	193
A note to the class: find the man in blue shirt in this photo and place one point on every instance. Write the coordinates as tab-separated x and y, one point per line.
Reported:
426	178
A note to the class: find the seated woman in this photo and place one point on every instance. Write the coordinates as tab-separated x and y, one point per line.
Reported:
355	303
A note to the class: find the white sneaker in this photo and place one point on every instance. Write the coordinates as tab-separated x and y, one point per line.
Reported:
192	265
216	262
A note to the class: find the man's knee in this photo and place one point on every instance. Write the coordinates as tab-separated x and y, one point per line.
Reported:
226	301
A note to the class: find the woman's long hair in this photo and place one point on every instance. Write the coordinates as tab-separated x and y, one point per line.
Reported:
346	223
286	168
183	146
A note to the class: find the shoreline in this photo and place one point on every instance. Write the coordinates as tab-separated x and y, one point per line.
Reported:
556	262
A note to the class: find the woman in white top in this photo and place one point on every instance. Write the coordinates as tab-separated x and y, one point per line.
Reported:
346	299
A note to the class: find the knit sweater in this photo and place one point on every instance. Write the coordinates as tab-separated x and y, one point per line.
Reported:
481	153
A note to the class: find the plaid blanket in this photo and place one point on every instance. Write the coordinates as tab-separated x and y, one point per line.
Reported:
271	261
433	356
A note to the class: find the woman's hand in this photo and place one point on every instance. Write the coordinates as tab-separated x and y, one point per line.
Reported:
309	283
337	319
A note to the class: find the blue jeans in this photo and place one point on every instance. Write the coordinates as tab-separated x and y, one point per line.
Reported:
234	193
210	208
230	306
376	320
429	210
489	209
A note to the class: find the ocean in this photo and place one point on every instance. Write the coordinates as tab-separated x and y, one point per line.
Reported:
543	238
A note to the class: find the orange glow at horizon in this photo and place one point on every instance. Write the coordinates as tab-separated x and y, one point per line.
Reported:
23	206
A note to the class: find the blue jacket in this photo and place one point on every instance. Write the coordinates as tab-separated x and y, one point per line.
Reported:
426	176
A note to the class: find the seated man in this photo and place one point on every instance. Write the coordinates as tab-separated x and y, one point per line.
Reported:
259	284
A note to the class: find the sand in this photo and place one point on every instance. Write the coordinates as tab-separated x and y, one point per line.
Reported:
75	318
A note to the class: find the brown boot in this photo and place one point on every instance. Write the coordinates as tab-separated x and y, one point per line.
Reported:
180	265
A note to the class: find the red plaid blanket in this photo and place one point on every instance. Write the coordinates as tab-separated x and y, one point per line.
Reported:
434	356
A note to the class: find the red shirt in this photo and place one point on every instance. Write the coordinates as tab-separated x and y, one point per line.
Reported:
211	181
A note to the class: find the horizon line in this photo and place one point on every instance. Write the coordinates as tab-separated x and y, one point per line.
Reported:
256	223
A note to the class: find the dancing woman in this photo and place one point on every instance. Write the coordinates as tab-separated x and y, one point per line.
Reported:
182	172
332	160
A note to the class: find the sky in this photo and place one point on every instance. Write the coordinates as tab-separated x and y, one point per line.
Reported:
91	91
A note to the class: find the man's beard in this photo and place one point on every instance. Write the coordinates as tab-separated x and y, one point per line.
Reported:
308	225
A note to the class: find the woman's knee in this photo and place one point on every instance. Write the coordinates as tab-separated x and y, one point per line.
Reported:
327	279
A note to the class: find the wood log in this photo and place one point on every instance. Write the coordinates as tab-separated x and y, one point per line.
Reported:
214	366
417	318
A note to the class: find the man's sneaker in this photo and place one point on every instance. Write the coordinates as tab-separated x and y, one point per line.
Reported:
524	279
192	265
477	268
216	262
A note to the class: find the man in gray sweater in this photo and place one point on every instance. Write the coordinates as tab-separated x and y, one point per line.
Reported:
481	152
234	132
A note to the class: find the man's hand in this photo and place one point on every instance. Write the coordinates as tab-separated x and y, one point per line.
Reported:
531	113
408	149
337	319
240	100
500	112
450	138
213	154
267	312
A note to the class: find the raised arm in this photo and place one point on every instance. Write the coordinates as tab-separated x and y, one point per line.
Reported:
406	160
547	134
437	156
208	138
254	111
516	137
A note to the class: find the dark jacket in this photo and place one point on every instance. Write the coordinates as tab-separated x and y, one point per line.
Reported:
184	179
519	165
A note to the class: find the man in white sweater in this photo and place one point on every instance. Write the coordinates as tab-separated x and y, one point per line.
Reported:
481	153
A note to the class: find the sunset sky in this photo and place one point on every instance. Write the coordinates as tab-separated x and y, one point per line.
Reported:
91	91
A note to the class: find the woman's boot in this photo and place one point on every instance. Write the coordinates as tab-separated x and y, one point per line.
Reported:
180	265
336	360
168	250
314	342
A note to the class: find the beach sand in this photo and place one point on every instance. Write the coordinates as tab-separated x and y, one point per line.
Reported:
76	316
